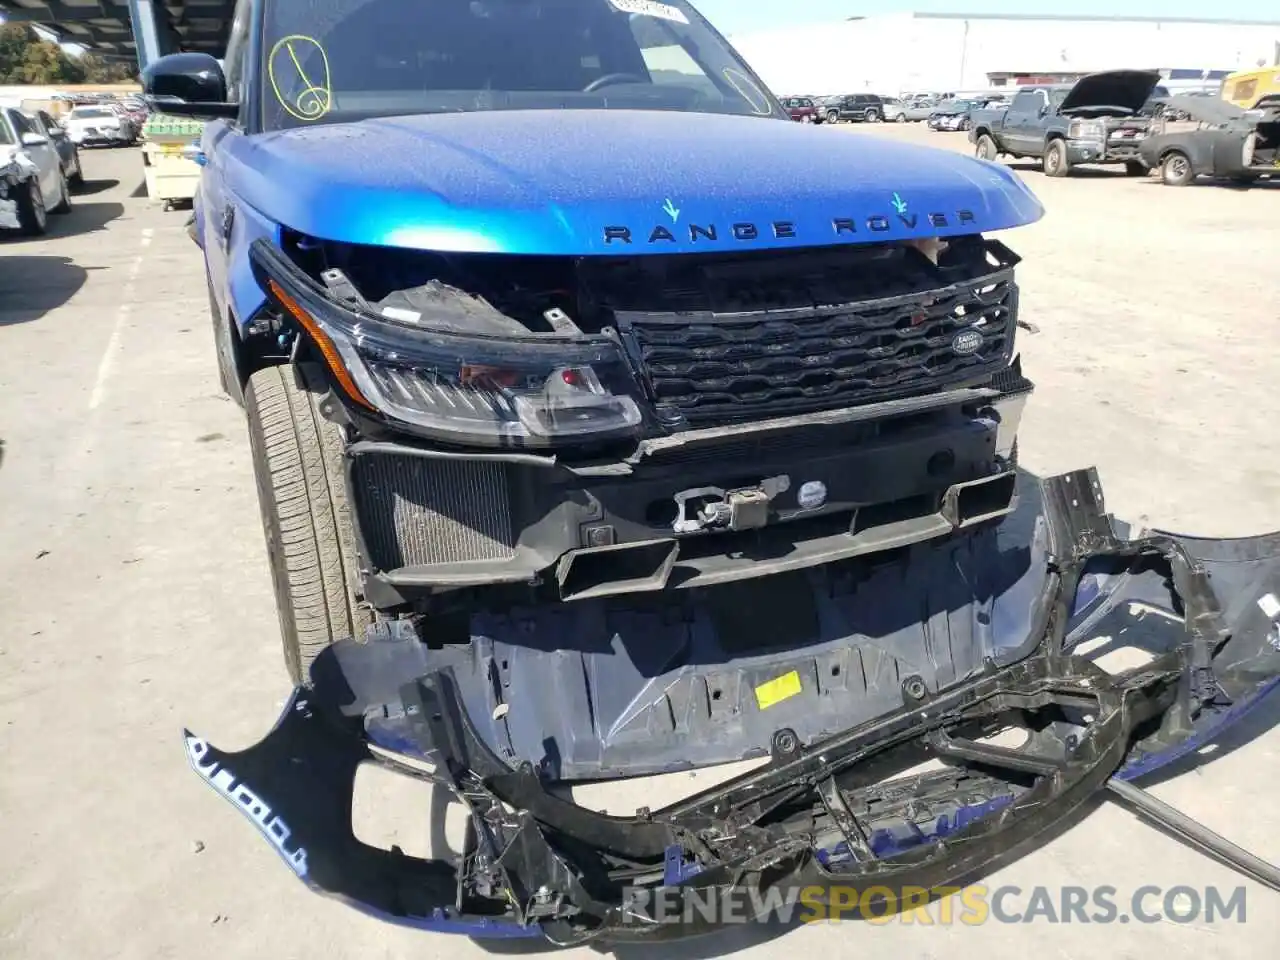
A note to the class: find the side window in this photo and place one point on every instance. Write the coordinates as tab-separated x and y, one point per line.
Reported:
47	122
21	124
237	50
1026	102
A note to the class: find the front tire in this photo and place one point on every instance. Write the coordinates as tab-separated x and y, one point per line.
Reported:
1056	163
1176	169
873	116
986	148
33	218
298	464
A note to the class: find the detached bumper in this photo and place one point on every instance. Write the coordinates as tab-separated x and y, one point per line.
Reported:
1205	612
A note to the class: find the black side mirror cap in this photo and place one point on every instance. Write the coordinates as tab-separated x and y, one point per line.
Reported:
188	85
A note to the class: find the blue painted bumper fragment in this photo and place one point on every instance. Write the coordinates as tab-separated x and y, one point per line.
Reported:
1201	615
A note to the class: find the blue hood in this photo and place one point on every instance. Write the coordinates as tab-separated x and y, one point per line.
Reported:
575	182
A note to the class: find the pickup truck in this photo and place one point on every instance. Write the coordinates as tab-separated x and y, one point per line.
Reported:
1096	120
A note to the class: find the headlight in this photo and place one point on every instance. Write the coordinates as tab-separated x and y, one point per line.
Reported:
1085	130
533	391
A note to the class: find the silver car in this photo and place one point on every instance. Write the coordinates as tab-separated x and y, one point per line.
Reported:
919	110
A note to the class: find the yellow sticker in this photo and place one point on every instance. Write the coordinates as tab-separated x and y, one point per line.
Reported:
775	691
306	99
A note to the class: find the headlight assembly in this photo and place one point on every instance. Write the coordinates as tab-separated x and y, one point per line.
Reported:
1085	130
533	391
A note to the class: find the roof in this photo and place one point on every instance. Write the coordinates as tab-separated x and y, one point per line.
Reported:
103	26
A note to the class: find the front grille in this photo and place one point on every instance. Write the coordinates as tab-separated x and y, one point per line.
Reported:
418	510
711	368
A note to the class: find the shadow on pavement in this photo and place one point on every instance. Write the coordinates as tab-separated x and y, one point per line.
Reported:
30	287
1082	173
84	218
90	187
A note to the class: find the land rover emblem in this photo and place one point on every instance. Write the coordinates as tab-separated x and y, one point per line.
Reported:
967	342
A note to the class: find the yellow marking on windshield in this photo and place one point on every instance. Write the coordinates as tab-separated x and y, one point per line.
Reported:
315	99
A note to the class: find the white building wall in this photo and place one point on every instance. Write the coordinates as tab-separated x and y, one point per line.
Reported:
902	52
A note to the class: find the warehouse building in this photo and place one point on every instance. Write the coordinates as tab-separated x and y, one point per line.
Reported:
930	52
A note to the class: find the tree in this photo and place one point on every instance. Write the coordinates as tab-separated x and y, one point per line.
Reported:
25	58
98	70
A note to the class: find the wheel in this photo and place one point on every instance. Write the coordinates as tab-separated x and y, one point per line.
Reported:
986	148
1175	169
229	371
964	124
873	115
1055	160
64	192
807	118
833	116
1135	168
297	461
33	219
76	176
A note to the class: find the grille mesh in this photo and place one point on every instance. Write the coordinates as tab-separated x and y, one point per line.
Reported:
415	510
720	368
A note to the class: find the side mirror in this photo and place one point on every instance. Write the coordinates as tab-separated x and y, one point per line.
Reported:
189	85
34	140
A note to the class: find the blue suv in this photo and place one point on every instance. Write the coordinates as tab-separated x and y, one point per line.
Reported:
531	301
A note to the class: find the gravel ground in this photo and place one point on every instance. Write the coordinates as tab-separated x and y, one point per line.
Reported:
136	599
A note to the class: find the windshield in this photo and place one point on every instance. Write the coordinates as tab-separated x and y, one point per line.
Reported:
91	112
340	60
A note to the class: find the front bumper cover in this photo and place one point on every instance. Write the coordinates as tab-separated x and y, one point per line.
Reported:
539	865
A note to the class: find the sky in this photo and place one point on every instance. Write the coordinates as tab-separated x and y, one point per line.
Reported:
742	16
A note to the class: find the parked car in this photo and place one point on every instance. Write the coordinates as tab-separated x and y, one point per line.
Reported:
952	114
1229	143
802	109
103	124
68	152
32	184
1098	119
136	110
857	107
895	110
920	109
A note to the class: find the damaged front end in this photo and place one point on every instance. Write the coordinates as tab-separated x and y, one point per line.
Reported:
930	655
576	428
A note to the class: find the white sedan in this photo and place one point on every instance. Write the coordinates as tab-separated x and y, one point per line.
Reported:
89	125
